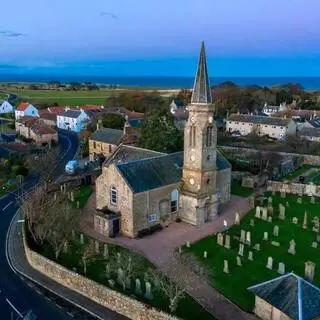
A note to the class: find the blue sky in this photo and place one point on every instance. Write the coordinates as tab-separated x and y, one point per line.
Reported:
151	38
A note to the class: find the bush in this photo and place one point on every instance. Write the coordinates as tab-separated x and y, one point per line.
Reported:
19	170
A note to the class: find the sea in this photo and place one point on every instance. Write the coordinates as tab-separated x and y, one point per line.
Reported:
308	83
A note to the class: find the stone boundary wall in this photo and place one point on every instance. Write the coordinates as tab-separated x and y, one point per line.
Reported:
294	188
106	297
307	158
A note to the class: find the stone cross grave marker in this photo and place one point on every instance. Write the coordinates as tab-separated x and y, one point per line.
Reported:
309	270
220	239
248	237
227	242
292	247
138	290
264	213
265	236
237	218
226	266
281	268
269	263
258	212
148	295
250	255
276	230
239	261
242	236
241	248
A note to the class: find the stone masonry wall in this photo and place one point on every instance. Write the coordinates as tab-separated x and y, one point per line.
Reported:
106	297
294	188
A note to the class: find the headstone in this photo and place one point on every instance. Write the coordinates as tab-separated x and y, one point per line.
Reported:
282	194
78	204
265	236
188	244
72	196
73	234
273	193
282	212
251	202
316	224
252	222
205	254
120	276
295	220
61	188
248	237
314	244
148	295
227	242
225	223
269	263
305	221
292	247
287	204
118	258
275	243
180	249
108	271
242	236
276	231
257	246
299	200
270	210
250	255
81	238
97	246
264	214
128	282
65	247
55	196
269	219
138	290
226	266
220	239
312	200
241	248
270	200
239	261
258	212
281	268
237	218
105	251
111	283
309	270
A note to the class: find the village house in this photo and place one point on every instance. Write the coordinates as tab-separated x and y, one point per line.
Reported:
140	189
176	105
73	120
6	107
311	134
26	109
36	130
288	297
272	110
273	127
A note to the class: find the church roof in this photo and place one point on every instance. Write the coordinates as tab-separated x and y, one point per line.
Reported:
292	295
151	173
107	135
201	93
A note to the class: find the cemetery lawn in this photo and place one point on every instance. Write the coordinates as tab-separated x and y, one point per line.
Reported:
187	309
238	190
234	285
82	195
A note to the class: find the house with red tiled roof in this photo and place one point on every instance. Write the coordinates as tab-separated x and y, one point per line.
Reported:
26	109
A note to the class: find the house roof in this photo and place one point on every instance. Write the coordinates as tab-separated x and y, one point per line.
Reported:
259	119
25	120
135	123
292	295
70	113
310	132
315	122
23	106
55	110
134	115
155	172
40	128
5	104
44	114
107	135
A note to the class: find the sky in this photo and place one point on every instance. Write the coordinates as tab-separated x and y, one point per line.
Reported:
244	38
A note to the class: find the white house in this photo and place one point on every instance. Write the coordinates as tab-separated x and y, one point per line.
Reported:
26	109
271	110
73	120
6	107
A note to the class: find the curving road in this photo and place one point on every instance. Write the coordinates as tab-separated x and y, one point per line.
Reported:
12	288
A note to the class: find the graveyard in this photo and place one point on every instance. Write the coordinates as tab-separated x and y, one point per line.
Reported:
280	234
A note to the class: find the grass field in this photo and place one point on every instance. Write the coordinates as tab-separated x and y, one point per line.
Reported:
72	98
238	190
234	285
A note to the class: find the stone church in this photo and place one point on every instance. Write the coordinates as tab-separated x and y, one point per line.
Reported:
140	189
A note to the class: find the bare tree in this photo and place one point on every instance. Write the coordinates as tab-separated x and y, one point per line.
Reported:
174	278
88	254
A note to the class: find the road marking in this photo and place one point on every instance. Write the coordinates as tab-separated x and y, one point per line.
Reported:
8	205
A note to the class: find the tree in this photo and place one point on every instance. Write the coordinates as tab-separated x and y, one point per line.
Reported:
113	121
159	133
88	254
174	278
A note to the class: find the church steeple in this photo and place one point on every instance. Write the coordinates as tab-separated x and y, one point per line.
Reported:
201	93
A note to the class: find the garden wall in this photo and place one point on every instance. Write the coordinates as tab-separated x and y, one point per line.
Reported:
106	297
294	188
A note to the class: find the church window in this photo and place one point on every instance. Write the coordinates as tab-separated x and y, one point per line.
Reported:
174	200
192	138
209	136
114	196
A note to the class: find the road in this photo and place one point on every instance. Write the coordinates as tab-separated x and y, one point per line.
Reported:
19	292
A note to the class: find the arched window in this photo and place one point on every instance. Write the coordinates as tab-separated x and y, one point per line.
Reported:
209	137
174	201
114	195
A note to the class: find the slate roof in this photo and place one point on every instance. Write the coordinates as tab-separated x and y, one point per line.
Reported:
135	123
259	119
315	122
292	295
22	106
310	132
156	172
70	113
107	135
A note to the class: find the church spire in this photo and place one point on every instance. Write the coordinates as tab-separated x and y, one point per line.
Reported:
201	90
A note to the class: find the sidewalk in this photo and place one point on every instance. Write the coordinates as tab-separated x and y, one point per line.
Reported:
20	264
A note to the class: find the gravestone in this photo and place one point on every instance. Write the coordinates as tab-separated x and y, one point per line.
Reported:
265	236
241	248
275	243
119	258
269	219
128	282
295	220
105	251
264	214
226	266
138	290
65	247
276	230
220	239
252	222
242	236
292	247
270	200
78	204
312	200
269	263
281	268
309	270
282	194
287	204
148	295
97	246
282	212
73	234
205	254
248	237
81	238
72	196
188	244
111	283
250	255
316	224
270	210
120	276
179	249
108	271
305	221
55	196
251	202
314	244
299	200
257	246
258	212
237	218
227	242
239	261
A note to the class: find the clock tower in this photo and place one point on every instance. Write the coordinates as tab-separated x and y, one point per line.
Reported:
198	192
